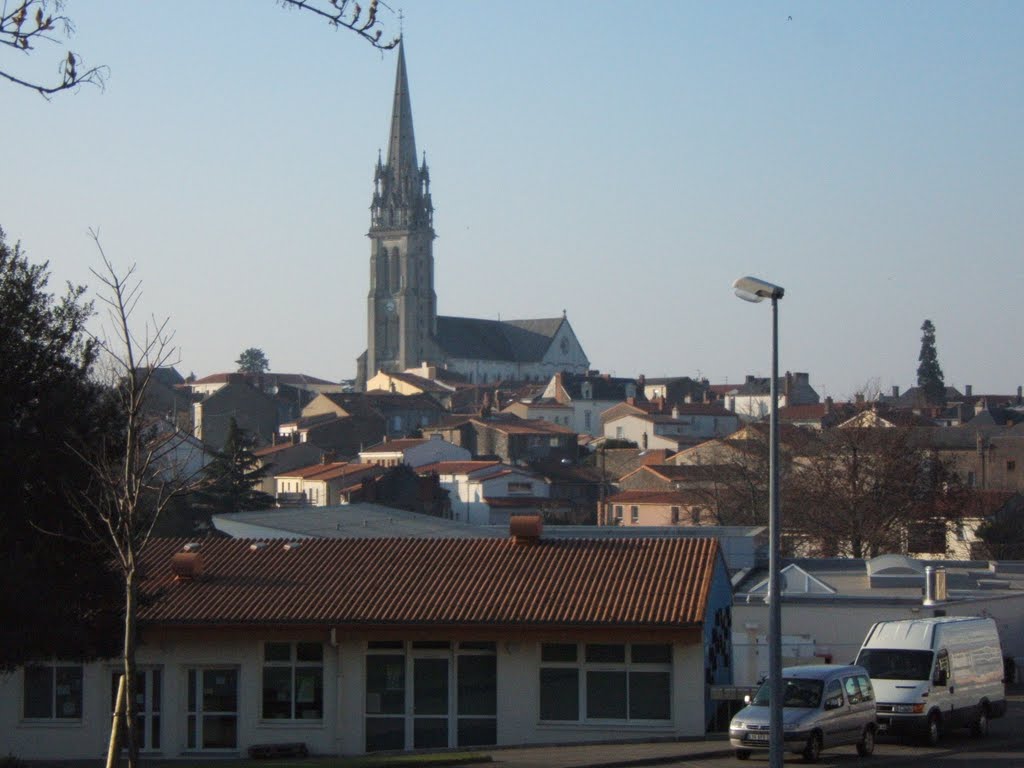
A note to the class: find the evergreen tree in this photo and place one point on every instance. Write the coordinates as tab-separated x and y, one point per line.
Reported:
60	597
929	374
253	360
233	475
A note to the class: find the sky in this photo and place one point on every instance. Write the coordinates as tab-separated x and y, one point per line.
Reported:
622	162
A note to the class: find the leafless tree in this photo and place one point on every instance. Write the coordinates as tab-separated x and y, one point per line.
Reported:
861	490
141	465
28	22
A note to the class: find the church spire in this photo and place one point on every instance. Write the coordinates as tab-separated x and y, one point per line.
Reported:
402	145
404	194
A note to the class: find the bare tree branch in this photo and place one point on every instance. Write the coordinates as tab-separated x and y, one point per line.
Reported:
33	21
349	14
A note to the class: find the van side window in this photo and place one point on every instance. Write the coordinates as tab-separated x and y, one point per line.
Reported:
865	688
941	675
833	695
853	694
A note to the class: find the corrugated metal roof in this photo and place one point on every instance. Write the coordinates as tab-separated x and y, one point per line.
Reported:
623	583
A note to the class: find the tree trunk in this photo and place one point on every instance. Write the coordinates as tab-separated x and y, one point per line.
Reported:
131	721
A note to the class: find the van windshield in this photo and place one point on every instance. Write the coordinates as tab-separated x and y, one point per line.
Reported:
796	692
884	664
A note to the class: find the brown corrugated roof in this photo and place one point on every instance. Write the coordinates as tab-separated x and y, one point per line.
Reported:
376	583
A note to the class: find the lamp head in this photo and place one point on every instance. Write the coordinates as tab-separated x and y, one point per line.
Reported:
753	289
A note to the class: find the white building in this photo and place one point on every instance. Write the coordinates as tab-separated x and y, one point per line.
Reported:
348	646
489	492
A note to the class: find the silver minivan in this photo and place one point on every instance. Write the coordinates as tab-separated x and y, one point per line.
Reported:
824	705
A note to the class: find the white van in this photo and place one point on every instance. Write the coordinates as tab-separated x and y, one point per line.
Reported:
934	674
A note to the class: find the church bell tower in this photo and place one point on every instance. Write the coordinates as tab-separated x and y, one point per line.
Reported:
401	305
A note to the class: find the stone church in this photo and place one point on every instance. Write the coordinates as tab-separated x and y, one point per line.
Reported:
404	329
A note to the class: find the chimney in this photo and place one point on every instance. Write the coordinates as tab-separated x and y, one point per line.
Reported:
641	380
1020	393
526	529
895	392
788	384
828	405
968	391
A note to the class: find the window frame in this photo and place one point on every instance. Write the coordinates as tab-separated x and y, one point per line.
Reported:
54	668
295	666
587	672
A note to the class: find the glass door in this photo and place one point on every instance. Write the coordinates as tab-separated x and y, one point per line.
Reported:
430	702
212	709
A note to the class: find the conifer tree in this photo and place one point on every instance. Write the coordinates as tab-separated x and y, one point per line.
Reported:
233	475
929	373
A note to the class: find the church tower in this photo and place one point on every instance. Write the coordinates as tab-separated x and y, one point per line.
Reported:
401	305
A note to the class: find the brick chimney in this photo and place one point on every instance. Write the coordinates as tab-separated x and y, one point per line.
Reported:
895	392
968	391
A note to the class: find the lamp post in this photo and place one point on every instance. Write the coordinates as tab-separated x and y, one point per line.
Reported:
752	289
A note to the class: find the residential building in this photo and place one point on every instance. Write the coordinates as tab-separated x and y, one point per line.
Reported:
363	645
489	492
752	398
588	395
280	458
685	426
509	439
252	410
324	484
413	452
656	508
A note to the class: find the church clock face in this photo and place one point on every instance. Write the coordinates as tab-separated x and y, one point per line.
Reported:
389	306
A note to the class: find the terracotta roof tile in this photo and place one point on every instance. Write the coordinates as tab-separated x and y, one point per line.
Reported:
374	583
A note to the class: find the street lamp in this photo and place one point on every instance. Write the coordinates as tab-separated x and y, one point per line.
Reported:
752	289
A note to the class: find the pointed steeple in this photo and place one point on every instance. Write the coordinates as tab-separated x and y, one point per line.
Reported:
402	144
402	198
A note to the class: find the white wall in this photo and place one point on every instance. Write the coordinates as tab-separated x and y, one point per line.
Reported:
342	728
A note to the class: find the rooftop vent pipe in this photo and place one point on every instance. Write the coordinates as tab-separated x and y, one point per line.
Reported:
934	585
526	529
187	565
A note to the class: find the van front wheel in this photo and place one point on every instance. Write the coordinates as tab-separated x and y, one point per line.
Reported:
742	754
934	732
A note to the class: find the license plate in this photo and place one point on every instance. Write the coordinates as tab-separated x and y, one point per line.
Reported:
757	737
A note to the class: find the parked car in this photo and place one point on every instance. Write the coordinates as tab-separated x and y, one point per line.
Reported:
824	706
933	674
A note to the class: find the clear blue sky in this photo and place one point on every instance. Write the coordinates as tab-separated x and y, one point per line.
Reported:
624	162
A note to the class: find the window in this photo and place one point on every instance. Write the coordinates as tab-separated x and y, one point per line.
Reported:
293	681
601	681
53	692
212	708
634	515
586	420
620	433
1011	465
695	513
519	487
618	513
970	480
675	515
